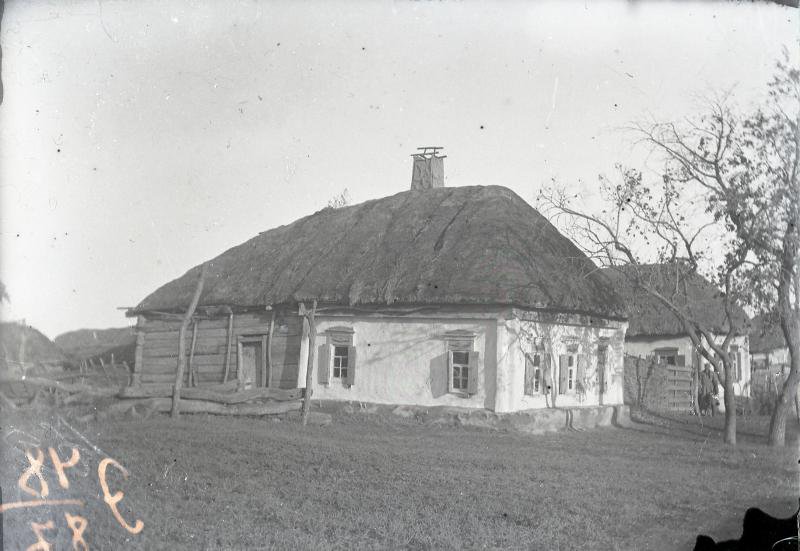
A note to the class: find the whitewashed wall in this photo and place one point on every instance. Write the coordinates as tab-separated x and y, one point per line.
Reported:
518	337
404	361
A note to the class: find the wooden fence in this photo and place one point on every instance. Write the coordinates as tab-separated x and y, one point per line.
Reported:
657	386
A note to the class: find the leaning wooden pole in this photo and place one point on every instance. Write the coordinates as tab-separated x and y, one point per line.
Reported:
268	375
192	367
176	390
312	335
228	349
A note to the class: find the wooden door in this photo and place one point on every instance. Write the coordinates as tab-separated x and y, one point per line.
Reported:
251	363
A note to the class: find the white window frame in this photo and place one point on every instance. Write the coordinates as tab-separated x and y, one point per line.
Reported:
536	360
458	342
572	369
342	375
463	371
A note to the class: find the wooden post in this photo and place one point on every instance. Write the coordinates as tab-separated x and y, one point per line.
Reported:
176	391
105	371
138	358
129	370
268	380
312	335
192	368
228	349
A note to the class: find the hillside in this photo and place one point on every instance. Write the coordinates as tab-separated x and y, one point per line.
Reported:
37	348
95	343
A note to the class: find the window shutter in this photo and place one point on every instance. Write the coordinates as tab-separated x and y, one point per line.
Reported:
737	373
563	375
449	371
472	381
351	366
324	364
581	371
546	369
530	373
680	361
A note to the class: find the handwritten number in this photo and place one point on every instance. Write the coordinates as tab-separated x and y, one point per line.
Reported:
61	465
112	500
34	469
41	543
77	524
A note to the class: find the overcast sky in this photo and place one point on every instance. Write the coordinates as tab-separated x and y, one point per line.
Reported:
138	139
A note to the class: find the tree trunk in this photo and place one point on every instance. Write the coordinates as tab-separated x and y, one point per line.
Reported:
695	384
777	423
730	405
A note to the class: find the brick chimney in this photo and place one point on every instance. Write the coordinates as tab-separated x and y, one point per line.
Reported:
428	171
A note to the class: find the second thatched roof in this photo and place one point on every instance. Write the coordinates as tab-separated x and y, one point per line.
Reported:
465	245
692	293
765	334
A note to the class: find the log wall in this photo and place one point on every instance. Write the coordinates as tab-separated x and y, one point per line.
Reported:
159	348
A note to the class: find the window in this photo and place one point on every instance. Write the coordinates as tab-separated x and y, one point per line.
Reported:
460	370
535	365
567	371
340	356
571	375
462	363
337	357
667	356
602	357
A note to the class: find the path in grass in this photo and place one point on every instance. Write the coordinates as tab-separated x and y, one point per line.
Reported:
377	481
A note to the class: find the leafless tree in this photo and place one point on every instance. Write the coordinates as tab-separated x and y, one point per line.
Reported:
747	169
646	235
738	177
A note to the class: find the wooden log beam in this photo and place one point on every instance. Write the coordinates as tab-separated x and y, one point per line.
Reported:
202	406
228	349
182	342
165	389
211	395
312	336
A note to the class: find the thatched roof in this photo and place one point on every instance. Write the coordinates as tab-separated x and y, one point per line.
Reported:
648	316
466	245
765	334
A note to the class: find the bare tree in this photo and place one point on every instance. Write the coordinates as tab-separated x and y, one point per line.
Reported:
742	171
646	230
747	170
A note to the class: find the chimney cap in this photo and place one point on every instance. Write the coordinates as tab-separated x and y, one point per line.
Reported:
430	151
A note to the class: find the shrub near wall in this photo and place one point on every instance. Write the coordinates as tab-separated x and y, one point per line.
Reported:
644	384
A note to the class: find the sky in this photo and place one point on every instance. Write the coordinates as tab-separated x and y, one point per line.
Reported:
139	139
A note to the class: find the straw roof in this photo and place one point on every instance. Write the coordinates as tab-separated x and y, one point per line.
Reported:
466	245
692	293
765	334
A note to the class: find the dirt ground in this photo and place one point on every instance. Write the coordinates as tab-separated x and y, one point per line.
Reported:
379	481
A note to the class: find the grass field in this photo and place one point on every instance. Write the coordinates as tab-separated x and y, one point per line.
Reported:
378	481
